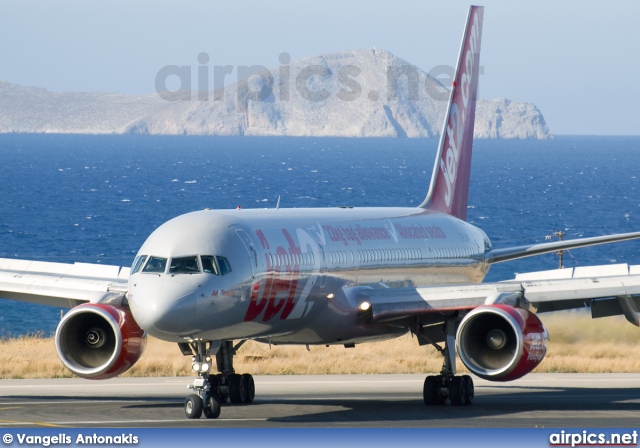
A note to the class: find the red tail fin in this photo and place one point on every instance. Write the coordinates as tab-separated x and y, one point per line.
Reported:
449	189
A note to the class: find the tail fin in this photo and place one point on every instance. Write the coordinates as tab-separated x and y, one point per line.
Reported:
449	189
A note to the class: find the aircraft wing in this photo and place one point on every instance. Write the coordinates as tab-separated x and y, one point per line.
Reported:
608	290
512	253
61	284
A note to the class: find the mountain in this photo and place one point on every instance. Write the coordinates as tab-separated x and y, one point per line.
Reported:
363	93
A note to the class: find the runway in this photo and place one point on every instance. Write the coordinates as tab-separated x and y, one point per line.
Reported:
538	400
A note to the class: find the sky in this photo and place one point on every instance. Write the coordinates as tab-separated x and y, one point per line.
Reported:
578	61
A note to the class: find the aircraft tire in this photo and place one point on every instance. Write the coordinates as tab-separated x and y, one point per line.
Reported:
193	406
237	389
431	392
470	389
458	391
213	408
215	381
250	388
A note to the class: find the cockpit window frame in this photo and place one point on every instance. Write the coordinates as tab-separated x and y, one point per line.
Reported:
195	258
214	264
138	263
155	258
224	267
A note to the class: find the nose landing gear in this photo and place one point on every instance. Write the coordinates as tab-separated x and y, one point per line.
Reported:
211	391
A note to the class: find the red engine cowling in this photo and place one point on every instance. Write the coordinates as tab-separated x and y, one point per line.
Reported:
98	341
501	342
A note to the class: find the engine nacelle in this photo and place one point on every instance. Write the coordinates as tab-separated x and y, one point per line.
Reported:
98	341
501	342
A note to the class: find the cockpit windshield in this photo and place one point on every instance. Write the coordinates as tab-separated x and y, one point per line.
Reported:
193	264
155	265
209	264
225	267
184	265
138	263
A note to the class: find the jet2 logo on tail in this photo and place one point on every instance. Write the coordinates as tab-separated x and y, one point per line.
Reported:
457	118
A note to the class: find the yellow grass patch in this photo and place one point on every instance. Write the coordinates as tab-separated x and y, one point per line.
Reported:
578	344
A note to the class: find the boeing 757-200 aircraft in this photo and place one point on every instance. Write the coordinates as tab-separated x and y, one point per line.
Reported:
326	276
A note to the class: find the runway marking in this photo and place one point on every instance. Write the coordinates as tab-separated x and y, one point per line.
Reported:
19	423
76	386
121	422
77	402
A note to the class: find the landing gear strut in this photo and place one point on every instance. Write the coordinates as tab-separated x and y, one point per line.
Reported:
213	390
459	390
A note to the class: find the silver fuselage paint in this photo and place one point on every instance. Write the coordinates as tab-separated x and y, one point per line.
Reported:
292	270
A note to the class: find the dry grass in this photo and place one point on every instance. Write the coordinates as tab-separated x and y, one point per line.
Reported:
578	344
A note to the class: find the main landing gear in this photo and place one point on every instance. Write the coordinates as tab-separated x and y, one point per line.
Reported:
459	390
212	390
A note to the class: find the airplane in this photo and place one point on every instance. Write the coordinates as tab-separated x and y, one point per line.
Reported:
327	276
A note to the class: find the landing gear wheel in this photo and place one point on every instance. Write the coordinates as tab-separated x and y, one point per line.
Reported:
249	387
470	389
237	389
458	393
193	406
431	391
212	410
215	386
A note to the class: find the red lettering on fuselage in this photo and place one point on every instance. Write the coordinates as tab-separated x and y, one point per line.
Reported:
275	295
356	234
420	232
262	239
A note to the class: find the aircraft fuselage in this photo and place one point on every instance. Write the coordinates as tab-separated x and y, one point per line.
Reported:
288	270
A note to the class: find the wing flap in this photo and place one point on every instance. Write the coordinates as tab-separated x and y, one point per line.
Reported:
397	303
545	290
581	288
61	284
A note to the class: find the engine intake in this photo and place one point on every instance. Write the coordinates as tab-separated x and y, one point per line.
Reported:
501	342
98	341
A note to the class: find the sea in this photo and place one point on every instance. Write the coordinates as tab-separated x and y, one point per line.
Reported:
96	198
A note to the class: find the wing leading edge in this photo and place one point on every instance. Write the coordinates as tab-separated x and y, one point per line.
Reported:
61	284
512	253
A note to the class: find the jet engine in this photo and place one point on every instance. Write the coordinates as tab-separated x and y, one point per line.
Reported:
99	341
501	342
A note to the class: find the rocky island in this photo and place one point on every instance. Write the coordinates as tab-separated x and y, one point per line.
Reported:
362	93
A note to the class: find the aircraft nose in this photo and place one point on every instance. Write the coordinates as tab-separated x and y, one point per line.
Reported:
163	306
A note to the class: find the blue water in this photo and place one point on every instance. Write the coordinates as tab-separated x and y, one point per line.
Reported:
96	198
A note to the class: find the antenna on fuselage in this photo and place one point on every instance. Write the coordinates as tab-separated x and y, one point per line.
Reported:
278	204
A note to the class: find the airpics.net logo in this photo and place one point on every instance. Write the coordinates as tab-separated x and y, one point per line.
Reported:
313	82
590	438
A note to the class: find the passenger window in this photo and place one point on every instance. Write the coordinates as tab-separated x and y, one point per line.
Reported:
224	265
155	265
209	264
137	263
